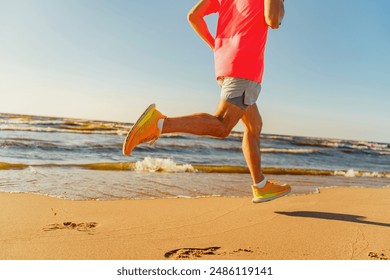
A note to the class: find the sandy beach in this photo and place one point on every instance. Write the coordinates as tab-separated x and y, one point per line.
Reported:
339	223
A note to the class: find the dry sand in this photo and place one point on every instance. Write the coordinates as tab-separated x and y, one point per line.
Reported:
340	223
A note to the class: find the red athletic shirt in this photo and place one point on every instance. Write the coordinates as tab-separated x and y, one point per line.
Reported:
240	39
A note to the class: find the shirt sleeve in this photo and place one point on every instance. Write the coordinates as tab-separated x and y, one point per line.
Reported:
214	6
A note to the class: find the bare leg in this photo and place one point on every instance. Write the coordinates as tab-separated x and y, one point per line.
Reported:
251	142
218	125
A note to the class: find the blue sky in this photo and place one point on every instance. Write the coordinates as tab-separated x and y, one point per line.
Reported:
327	71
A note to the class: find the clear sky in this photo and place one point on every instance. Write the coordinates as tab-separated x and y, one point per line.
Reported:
327	71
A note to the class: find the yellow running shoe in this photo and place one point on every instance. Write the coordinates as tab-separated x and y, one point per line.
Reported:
144	130
270	191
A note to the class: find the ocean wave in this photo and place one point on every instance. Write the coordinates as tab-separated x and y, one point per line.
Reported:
51	124
277	137
358	173
289	151
320	143
175	136
39	145
66	129
149	164
344	145
236	134
235	148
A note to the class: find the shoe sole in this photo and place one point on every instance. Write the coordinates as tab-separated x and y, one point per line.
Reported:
127	139
259	200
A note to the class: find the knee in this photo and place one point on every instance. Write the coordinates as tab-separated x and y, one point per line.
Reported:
255	128
259	127
224	127
222	132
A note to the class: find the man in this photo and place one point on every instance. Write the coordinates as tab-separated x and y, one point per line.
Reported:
238	48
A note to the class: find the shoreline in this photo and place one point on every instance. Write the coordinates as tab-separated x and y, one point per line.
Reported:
336	224
167	165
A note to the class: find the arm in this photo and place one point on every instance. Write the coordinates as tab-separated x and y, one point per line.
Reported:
273	12
196	19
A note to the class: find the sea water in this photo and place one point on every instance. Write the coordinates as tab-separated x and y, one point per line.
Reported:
82	159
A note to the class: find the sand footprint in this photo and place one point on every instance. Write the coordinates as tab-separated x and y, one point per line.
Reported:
85	227
196	253
378	256
191	253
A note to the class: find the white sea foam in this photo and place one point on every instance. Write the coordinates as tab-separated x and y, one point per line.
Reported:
277	137
355	173
289	151
149	164
350	173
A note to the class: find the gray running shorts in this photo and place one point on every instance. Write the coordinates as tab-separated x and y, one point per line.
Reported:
240	92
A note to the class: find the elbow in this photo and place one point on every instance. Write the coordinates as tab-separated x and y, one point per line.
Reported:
192	17
273	18
273	22
195	16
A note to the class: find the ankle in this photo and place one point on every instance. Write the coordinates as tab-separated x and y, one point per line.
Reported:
262	183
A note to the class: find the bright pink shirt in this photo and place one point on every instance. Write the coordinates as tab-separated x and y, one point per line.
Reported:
240	39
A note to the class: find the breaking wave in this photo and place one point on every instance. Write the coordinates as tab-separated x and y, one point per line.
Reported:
150	164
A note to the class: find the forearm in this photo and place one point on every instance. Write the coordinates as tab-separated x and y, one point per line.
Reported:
201	28
196	19
274	12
